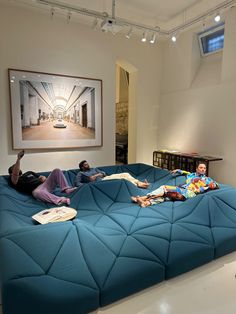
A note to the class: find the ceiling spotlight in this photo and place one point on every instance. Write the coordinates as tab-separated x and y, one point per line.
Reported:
173	38
144	38
153	39
217	18
129	33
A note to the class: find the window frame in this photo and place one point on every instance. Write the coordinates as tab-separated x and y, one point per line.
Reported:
207	32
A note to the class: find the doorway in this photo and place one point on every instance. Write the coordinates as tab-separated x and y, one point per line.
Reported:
122	113
84	116
131	97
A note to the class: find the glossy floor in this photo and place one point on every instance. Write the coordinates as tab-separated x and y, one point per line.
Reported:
210	289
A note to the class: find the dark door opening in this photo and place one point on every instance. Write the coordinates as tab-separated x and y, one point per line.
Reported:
84	116
122	106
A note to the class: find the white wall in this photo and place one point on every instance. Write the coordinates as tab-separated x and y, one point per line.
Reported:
198	101
32	41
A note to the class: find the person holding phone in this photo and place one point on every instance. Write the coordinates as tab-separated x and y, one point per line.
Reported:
39	186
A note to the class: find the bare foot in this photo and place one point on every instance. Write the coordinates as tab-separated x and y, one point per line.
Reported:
143	185
134	199
70	190
64	200
145	203
142	202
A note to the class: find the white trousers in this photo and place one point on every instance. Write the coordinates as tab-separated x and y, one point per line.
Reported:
122	175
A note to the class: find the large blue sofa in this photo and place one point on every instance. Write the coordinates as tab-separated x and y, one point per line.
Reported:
113	248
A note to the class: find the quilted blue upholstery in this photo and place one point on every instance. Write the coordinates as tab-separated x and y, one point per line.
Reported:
113	248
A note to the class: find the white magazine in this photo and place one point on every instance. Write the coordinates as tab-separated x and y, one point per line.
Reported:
55	214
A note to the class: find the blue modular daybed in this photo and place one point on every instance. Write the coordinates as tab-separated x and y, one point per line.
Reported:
113	248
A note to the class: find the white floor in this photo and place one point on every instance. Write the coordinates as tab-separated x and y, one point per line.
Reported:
210	289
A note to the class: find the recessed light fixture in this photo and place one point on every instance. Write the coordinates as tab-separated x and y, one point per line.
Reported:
217	18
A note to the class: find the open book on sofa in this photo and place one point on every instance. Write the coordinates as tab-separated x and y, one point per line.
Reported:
55	214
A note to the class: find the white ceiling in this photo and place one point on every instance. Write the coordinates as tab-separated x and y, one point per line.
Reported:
162	10
166	14
138	10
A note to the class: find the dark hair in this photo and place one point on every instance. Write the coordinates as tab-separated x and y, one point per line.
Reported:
10	169
201	163
81	164
175	196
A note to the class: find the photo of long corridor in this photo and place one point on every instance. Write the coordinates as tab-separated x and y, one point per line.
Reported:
56	109
48	131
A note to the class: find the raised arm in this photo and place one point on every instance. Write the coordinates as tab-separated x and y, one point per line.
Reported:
179	171
16	168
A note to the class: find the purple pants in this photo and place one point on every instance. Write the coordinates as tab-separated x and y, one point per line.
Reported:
44	191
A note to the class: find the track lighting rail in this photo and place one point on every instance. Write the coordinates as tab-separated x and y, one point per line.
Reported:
144	28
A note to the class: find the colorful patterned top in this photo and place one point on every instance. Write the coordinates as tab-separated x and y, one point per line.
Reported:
196	183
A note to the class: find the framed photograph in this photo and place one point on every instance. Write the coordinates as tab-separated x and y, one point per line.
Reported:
54	110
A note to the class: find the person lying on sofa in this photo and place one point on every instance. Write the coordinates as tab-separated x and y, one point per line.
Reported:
196	183
88	174
39	186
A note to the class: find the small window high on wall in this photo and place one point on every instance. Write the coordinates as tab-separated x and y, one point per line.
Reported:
211	40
